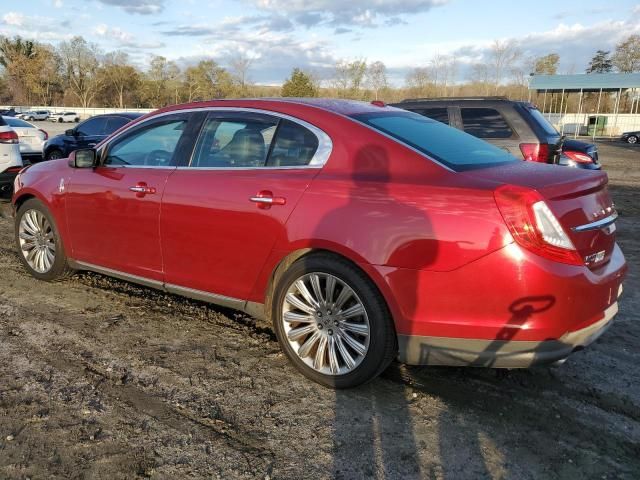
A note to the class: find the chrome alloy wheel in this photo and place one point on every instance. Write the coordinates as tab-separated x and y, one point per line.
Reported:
326	323
37	242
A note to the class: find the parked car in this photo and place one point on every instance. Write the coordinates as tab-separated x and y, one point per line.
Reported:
10	112
366	233
517	127
631	137
31	138
63	117
35	115
10	159
87	134
576	153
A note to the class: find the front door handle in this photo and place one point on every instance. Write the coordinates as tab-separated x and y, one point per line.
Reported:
142	189
265	199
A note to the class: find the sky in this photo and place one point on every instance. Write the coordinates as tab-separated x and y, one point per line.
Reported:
279	35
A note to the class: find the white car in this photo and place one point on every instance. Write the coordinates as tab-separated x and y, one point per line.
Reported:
65	117
31	138
10	159
35	115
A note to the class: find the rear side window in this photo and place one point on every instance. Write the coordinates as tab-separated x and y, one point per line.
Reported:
295	146
485	123
234	142
449	146
437	114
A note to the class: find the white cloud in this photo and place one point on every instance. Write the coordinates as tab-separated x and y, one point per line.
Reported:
142	7
14	19
58	4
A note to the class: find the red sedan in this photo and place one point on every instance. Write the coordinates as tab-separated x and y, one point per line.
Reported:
366	233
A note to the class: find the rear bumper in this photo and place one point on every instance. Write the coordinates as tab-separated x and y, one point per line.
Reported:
417	350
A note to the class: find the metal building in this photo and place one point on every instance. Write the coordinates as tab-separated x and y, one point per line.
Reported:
600	83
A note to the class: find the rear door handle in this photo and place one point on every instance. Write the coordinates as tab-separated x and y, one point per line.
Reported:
265	199
142	189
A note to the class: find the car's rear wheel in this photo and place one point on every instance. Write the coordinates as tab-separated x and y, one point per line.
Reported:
77	119
332	322
632	139
54	154
39	243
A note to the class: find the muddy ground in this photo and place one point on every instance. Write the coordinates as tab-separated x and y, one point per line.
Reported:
104	379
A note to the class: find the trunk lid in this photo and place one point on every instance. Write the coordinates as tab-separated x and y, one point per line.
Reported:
578	198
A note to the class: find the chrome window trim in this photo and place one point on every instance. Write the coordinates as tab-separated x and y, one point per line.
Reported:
319	159
598	224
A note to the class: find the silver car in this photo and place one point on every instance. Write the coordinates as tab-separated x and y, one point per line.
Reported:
35	115
31	138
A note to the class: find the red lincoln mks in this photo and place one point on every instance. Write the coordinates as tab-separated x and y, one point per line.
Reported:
364	232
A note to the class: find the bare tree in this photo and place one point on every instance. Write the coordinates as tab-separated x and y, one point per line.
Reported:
419	81
503	56
627	55
481	75
80	63
119	75
377	77
349	77
240	65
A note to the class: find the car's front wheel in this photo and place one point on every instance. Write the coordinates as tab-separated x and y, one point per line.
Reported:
60	120
332	322
39	243
632	139
53	154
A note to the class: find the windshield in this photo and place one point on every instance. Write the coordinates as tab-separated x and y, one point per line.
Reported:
449	146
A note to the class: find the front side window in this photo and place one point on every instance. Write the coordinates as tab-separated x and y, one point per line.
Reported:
92	127
152	145
485	123
449	146
234	141
115	123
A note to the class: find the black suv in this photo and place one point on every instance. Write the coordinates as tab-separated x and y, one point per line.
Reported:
517	127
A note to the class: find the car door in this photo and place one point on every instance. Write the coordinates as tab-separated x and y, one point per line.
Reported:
222	214
113	210
89	133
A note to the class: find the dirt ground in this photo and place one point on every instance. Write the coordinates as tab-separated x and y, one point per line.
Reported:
103	379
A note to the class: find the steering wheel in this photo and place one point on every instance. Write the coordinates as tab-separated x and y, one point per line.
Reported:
159	158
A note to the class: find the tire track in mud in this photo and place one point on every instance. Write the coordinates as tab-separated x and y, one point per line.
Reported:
111	385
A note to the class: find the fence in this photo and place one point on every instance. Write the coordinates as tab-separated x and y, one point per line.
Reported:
569	124
82	112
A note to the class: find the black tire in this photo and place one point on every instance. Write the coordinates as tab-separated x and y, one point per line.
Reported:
31	119
54	154
77	119
60	268
60	120
632	139
382	341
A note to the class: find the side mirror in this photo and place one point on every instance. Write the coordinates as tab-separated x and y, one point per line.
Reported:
85	158
71	132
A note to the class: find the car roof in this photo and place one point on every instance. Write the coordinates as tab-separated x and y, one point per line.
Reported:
129	115
338	106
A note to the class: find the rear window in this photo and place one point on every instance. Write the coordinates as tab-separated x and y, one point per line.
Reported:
16	122
543	122
449	146
485	123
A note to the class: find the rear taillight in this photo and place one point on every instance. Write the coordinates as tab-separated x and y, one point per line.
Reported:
578	157
535	152
533	225
46	135
9	137
13	170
